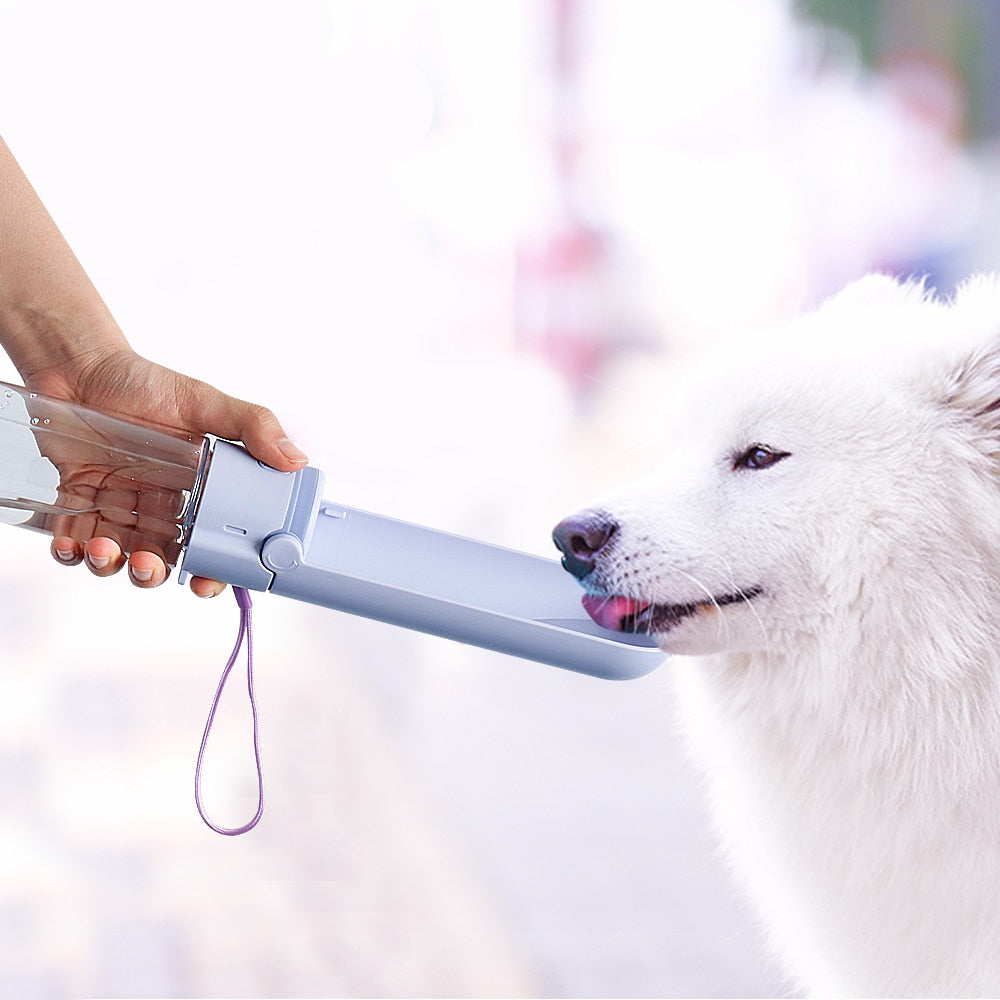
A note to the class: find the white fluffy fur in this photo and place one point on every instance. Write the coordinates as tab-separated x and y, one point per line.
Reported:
849	716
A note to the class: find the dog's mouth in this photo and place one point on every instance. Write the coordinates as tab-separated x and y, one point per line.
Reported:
630	614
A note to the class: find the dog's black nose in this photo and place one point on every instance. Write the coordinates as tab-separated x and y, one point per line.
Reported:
581	537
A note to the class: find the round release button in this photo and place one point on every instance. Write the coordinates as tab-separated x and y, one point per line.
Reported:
281	551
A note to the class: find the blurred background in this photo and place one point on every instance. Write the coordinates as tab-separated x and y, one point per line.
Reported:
450	243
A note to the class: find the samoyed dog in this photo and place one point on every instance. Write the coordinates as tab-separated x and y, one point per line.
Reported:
821	545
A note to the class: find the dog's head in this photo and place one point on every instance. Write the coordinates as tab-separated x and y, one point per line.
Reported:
833	475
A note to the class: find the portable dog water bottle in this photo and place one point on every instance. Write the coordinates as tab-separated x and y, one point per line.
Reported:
210	508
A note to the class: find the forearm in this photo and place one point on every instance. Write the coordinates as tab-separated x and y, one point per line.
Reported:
52	319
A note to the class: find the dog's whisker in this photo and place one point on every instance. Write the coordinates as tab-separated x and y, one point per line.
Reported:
721	625
764	634
850	728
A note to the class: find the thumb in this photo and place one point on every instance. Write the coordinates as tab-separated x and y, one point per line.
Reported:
264	437
208	409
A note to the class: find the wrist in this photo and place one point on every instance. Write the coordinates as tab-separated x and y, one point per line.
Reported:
52	351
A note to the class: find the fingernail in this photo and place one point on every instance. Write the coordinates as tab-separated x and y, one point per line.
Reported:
98	562
142	575
66	555
292	452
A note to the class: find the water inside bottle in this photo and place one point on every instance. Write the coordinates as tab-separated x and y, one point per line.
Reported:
65	470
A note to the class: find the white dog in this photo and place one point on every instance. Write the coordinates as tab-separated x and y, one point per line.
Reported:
824	538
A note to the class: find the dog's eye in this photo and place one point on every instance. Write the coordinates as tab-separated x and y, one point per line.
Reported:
758	456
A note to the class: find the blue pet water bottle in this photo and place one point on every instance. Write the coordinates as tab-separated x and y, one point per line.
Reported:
208	507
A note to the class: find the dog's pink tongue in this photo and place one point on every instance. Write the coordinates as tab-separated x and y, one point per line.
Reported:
612	612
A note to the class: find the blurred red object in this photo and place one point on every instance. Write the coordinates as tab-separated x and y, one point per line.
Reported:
563	263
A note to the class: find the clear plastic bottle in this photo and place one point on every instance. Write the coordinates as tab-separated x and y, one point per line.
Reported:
67	470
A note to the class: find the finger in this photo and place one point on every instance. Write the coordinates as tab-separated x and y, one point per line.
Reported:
204	408
265	439
257	427
103	556
146	570
203	587
66	551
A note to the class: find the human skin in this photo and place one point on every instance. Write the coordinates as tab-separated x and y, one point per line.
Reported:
64	342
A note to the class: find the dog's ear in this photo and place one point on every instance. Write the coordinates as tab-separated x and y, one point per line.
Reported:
974	383
877	289
876	292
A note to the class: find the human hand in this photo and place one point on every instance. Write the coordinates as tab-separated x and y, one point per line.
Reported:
121	383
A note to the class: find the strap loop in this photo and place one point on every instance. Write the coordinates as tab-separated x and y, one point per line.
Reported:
245	633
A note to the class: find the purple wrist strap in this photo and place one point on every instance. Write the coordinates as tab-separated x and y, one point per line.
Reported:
245	632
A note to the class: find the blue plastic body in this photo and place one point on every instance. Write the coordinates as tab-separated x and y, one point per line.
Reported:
272	531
